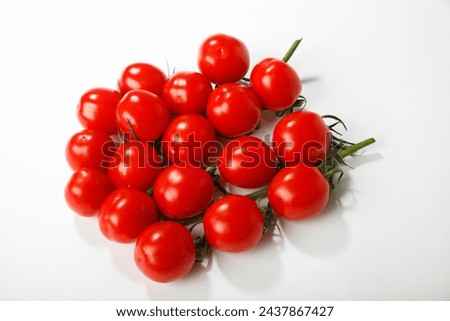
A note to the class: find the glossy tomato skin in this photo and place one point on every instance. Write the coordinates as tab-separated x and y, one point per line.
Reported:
187	92
142	76
97	110
89	148
298	192
135	164
183	192
223	59
275	83
143	113
190	139
301	137
233	109
165	251
125	213
233	223
247	162
86	190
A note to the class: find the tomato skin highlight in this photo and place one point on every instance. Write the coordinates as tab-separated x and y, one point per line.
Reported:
298	193
234	110
125	213
142	113
183	192
190	139
89	148
233	223
223	59
165	251
301	137
136	164
275	83
86	190
187	92
97	110
142	76
247	162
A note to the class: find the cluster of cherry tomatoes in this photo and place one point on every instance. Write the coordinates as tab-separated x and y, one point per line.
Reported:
154	154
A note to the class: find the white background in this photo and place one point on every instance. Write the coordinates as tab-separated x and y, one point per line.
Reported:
382	66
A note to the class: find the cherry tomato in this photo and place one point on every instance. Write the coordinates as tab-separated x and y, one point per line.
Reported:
144	114
97	110
165	251
276	84
190	138
183	192
89	148
233	109
298	192
135	164
247	162
301	137
86	190
125	213
142	76
187	92
233	223
223	59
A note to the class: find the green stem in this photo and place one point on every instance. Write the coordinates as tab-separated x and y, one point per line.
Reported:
258	194
291	50
354	148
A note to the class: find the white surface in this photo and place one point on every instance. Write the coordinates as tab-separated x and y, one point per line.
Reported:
382	66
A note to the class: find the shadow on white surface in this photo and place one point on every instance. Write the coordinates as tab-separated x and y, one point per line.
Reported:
88	230
258	269
197	282
324	234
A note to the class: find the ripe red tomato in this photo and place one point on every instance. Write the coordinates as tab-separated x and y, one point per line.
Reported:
135	164
142	76
298	192
165	251
89	148
183	192
276	84
301	137
86	190
125	213
190	138
233	223
143	113
187	92
233	109
97	110
247	162
223	59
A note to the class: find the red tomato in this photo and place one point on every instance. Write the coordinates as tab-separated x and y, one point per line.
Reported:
125	213
247	162
97	110
223	59
142	76
165	251
301	137
233	109
89	148
136	164
298	192
187	92
183	192
86	190
143	113
233	223
276	84
190	138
